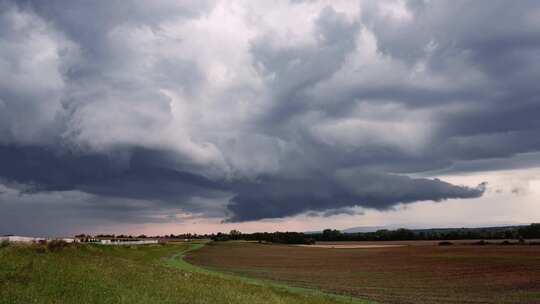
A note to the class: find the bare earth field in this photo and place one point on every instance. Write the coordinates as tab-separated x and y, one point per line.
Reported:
351	246
417	272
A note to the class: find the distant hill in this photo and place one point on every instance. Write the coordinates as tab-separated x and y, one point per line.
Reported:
493	228
360	229
369	228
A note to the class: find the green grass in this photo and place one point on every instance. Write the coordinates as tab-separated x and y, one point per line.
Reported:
137	274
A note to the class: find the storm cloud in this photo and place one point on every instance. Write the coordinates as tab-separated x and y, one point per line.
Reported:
247	111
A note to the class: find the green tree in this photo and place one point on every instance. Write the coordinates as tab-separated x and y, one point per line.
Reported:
530	232
235	234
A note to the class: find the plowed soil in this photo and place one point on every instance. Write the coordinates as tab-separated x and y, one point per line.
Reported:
415	273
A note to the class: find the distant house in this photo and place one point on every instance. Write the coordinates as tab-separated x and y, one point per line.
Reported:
117	241
31	240
127	242
22	239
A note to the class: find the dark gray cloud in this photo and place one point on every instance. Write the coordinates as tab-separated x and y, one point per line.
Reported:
144	175
282	197
246	112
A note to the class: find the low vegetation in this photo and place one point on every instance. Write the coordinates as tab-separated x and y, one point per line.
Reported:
4	244
67	273
56	245
445	243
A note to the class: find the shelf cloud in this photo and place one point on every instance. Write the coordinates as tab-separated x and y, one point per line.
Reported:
247	111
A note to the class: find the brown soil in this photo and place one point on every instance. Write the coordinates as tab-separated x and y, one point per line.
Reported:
351	246
416	273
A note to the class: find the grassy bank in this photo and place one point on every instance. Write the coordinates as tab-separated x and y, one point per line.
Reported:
138	274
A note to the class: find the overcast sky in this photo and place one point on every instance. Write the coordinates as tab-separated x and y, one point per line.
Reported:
200	116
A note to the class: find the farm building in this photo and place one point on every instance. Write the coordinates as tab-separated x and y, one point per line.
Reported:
117	241
127	242
21	239
30	239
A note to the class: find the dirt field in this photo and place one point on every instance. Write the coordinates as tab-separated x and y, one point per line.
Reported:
416	273
351	246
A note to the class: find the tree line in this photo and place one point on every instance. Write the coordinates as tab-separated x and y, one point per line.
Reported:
492	233
531	231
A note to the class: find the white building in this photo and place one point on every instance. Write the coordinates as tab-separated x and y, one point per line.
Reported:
30	239
127	242
22	239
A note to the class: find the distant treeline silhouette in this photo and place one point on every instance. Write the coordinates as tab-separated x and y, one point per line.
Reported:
490	233
276	237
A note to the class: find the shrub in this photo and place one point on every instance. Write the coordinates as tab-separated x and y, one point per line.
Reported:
482	242
310	241
56	245
530	232
39	248
445	243
220	237
4	244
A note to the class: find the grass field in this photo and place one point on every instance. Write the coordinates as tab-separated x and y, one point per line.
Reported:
138	274
417	273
